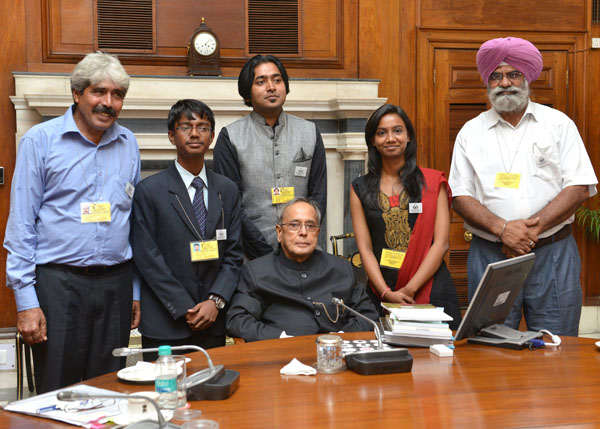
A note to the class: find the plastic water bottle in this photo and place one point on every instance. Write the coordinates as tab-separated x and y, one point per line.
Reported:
165	382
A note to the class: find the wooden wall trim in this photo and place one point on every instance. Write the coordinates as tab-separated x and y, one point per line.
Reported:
177	57
490	15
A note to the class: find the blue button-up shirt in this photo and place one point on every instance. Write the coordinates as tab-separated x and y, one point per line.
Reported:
57	169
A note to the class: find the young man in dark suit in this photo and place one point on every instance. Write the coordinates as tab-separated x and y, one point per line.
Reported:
186	239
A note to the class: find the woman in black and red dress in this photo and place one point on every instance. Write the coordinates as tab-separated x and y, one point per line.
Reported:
401	218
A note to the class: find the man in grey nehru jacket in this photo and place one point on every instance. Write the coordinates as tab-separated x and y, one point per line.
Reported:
272	156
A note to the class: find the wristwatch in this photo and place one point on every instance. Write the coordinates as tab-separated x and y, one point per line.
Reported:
219	302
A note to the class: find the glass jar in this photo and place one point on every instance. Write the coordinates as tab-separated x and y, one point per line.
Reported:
329	354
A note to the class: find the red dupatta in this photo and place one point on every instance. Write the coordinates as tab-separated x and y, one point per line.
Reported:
422	234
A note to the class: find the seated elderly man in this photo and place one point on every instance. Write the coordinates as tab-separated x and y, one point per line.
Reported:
288	292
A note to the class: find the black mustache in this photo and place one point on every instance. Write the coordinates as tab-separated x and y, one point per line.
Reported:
102	109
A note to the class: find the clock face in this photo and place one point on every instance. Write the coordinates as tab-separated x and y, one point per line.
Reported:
205	44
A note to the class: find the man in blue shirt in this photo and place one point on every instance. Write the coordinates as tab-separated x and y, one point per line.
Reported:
68	229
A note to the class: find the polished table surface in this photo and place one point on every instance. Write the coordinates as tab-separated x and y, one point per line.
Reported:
478	387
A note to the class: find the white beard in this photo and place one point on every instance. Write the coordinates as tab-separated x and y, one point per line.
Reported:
512	103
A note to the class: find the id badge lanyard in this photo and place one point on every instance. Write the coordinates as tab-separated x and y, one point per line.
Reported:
205	250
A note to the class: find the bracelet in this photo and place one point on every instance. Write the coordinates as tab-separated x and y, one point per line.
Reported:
383	294
503	228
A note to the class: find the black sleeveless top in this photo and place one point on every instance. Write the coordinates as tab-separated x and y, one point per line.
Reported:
443	293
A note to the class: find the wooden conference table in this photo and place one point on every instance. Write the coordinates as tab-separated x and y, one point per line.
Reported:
478	387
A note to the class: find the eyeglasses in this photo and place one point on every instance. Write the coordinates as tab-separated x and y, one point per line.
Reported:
296	226
187	129
88	404
513	76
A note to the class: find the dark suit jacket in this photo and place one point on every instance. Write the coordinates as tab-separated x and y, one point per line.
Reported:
160	236
277	294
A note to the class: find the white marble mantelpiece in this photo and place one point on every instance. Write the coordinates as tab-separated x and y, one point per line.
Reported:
329	102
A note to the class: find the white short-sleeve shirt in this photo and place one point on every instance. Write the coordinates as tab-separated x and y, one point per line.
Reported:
545	148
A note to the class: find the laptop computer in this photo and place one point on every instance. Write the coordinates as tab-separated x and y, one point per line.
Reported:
495	295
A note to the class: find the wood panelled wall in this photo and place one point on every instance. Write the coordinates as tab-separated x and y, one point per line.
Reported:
591	129
12	23
390	40
66	33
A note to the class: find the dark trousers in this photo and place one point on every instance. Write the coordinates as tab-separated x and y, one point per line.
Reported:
199	338
87	317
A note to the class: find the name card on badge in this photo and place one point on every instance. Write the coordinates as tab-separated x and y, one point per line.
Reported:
392	258
95	212
507	180
204	250
282	195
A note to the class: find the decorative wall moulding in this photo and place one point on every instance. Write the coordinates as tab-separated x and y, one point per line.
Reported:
338	106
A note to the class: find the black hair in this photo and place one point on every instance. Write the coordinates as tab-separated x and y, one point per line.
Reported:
410	175
186	108
247	75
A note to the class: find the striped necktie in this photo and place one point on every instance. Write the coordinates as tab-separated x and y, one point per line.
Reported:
199	207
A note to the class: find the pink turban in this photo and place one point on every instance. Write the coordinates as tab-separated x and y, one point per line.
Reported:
519	53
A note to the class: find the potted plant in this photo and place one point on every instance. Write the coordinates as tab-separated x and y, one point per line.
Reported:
589	220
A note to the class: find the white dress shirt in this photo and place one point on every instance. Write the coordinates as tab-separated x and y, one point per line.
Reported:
545	148
188	177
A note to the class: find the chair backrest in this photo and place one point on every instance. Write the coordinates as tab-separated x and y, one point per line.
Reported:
354	259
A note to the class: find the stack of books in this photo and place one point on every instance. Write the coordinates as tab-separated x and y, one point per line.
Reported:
416	325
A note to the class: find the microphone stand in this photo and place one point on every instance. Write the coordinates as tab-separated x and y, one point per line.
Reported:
71	395
199	377
378	334
213	383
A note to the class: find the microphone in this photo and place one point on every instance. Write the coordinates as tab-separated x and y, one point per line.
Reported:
380	361
376	328
213	383
72	395
69	395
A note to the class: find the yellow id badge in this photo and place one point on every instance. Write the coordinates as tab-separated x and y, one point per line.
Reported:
392	258
204	250
507	180
95	212
282	195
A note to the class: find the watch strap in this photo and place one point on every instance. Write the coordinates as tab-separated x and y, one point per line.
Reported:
219	301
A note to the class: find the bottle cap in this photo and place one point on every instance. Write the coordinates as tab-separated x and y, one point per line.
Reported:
164	350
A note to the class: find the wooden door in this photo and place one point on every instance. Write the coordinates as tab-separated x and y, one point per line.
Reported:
460	95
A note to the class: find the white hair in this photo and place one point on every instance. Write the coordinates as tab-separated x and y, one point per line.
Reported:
299	200
95	68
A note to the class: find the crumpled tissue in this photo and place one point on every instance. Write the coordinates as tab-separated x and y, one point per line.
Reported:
295	367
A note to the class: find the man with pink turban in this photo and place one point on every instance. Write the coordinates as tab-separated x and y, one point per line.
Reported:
519	171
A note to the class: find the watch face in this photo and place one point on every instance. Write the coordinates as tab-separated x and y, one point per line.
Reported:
205	44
